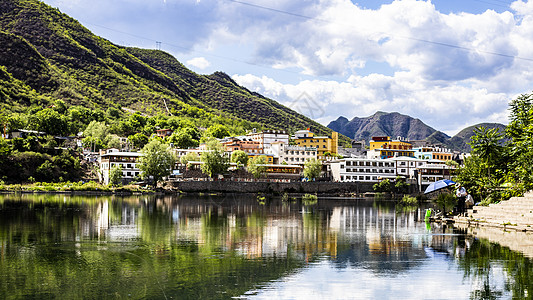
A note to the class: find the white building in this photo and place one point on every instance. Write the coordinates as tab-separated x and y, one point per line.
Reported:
406	166
127	160
291	154
362	169
267	137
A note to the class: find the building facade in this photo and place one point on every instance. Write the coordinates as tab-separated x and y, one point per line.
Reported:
267	137
362	170
127	160
323	144
291	154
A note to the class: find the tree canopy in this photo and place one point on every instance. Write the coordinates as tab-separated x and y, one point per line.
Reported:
157	161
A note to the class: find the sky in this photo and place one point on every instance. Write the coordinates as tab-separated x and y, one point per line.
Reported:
449	63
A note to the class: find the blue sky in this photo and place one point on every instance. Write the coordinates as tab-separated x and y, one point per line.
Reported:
450	63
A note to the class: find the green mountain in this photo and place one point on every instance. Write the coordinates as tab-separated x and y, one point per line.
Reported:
46	55
398	125
460	140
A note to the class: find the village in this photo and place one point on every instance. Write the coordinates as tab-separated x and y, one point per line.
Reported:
416	162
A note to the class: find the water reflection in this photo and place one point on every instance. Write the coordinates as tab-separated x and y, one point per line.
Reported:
226	246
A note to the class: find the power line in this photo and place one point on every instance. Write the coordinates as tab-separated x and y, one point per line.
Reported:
384	33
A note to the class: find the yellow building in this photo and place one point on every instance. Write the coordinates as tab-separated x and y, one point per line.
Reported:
385	147
323	144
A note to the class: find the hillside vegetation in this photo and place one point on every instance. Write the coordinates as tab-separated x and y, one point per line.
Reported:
47	56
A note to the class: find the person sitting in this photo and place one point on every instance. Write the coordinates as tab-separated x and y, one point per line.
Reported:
461	194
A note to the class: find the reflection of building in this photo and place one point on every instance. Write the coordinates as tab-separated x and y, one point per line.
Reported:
127	160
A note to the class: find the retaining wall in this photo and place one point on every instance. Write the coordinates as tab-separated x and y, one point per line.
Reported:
272	187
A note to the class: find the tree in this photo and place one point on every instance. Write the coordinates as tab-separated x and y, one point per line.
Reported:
97	130
312	169
182	140
218	131
115	175
239	157
257	166
383	186
49	121
214	159
138	140
157	161
191	156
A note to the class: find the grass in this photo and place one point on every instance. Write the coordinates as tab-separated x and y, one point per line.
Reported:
70	187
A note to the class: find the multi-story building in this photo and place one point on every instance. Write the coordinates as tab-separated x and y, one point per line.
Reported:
362	169
407	166
430	153
267	137
384	147
127	160
291	154
245	144
323	144
433	170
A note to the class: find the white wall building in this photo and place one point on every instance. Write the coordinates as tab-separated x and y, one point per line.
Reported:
267	137
127	160
362	169
291	154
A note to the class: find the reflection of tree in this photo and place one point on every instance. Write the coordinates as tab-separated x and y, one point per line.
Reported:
479	261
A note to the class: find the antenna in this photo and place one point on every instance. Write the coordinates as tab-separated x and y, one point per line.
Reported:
158	45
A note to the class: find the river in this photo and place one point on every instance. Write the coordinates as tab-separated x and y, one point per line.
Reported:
245	247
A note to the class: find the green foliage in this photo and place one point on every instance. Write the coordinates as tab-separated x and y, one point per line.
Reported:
446	201
400	186
138	140
409	201
239	157
182	140
312	169
214	160
115	175
218	131
257	166
191	156
157	161
384	186
49	121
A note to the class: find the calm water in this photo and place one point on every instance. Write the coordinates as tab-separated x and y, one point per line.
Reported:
245	247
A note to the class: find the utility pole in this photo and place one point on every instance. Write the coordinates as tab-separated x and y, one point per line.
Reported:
158	45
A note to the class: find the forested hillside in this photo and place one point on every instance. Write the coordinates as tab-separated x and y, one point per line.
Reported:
47	56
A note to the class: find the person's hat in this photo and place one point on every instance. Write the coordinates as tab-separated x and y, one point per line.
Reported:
457	185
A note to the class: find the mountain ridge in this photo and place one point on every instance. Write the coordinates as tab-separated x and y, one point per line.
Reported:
50	56
398	125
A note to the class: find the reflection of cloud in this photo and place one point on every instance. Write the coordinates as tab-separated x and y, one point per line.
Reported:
199	62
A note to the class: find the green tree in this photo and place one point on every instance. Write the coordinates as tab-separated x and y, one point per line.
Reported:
312	169
97	130
191	156
182	140
214	159
257	166
218	131
49	121
239	157
157	161
115	175
138	140
384	186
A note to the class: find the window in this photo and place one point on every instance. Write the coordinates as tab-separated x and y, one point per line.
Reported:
342	177
128	174
342	166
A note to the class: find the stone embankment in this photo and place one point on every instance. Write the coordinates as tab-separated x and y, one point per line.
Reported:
515	213
269	187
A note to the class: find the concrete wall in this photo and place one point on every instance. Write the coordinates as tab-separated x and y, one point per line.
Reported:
268	187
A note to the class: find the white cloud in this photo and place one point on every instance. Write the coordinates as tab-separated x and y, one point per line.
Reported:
199	62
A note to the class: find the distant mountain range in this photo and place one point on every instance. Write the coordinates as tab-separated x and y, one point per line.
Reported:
398	125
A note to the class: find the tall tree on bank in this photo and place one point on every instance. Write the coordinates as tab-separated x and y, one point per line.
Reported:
312	169
214	159
257	166
157	161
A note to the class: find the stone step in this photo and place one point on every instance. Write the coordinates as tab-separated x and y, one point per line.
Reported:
525	219
506	215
